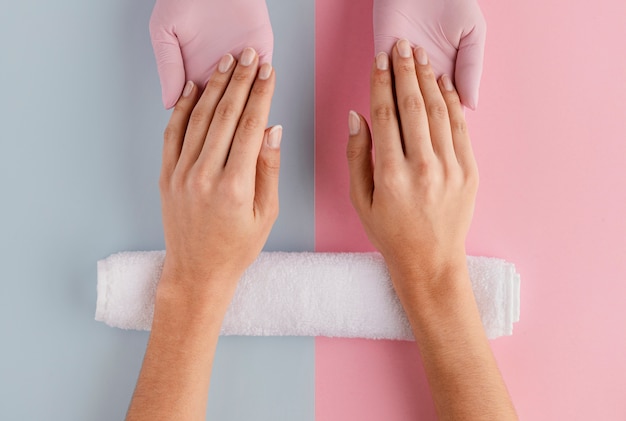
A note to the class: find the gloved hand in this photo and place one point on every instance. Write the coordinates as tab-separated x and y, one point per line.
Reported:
452	32
189	38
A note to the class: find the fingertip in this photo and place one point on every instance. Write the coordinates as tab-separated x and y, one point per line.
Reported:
274	137
354	123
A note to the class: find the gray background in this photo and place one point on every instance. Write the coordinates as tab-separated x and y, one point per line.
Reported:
81	124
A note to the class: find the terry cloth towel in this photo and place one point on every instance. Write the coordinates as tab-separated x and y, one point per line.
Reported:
347	295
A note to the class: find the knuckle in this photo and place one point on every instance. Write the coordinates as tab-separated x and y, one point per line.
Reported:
384	112
216	84
413	103
261	89
426	170
233	190
195	184
459	126
354	153
437	110
407	67
225	111
381	79
452	99
426	72
196	118
240	76
270	167
393	180
250	123
170	134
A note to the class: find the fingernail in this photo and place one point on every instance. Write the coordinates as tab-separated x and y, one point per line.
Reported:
188	88
265	71
447	83
354	123
404	48
422	58
225	63
382	61
274	137
247	57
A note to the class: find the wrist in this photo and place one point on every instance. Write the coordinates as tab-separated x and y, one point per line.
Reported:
421	272
431	286
204	295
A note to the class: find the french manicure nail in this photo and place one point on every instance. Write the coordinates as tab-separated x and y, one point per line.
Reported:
404	48
225	63
247	57
188	88
447	83
354	123
382	61
422	58
265	71
274	137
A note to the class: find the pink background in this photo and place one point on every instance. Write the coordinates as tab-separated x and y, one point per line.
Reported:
550	139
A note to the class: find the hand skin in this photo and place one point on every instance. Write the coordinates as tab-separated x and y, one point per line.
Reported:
219	194
416	203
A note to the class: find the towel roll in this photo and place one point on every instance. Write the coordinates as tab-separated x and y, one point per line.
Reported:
347	295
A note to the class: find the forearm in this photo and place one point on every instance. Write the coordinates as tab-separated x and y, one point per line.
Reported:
462	373
174	379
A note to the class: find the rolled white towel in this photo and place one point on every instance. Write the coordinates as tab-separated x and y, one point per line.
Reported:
347	295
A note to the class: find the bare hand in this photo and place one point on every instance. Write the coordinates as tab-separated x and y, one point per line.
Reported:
416	200
219	179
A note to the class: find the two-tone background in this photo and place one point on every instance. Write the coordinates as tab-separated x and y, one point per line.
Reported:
80	135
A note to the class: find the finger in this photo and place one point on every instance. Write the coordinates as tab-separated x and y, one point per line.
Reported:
469	64
203	112
228	113
359	154
267	171
169	61
244	151
386	133
460	135
413	117
438	119
176	128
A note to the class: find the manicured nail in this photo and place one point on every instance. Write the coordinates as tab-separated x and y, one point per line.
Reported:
188	88
404	48
225	63
274	137
447	83
265	71
354	123
382	61
247	57
422	58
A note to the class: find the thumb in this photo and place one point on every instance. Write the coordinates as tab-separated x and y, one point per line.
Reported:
359	154
169	61
267	171
469	64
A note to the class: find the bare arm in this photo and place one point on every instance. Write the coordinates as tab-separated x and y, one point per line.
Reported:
219	194
416	203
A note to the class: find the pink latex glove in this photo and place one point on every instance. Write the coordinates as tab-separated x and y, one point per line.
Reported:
452	32
189	38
